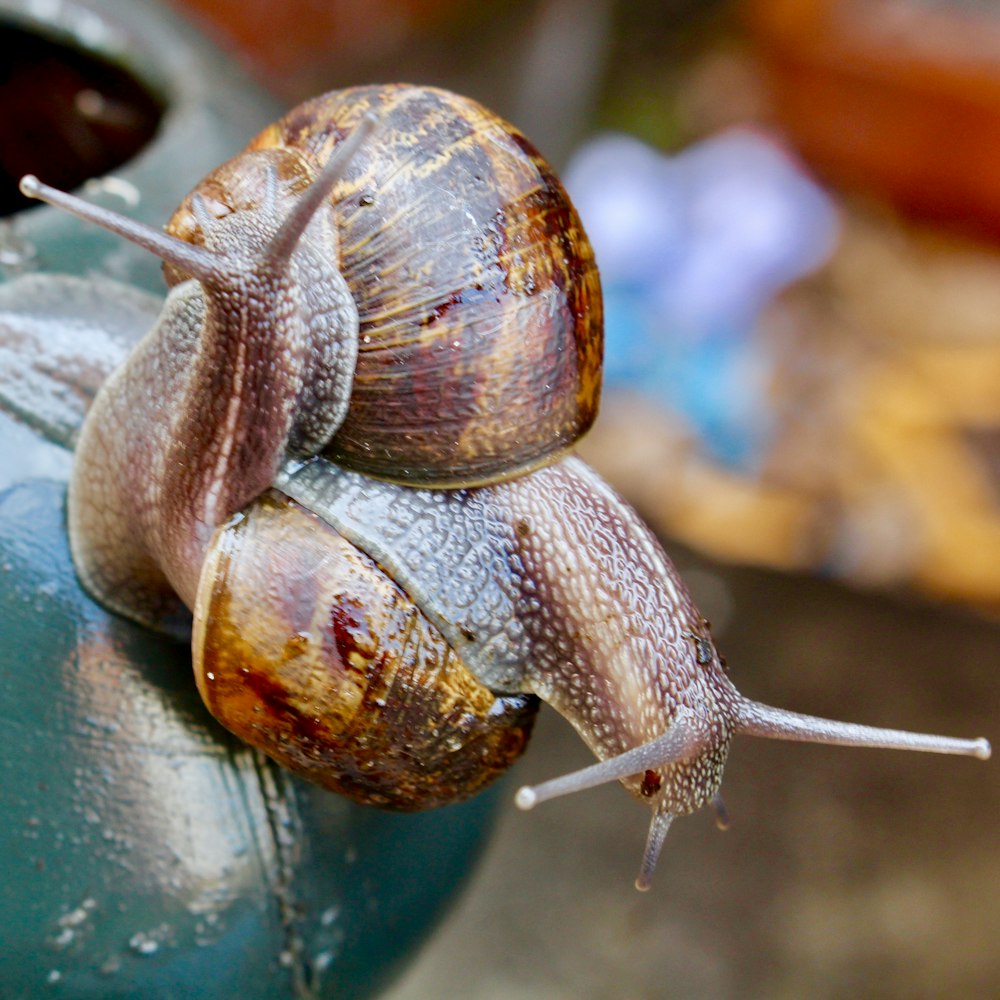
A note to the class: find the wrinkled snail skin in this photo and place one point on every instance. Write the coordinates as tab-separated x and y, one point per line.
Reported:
551	584
196	422
389	291
548	584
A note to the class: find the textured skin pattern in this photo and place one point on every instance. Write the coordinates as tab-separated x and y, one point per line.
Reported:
197	421
305	648
234	211
115	496
550	584
451	551
479	300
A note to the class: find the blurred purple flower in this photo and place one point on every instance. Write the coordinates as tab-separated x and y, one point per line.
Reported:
691	249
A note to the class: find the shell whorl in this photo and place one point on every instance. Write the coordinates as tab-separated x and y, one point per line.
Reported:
306	649
479	302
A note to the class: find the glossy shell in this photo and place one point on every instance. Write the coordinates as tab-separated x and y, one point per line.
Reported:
480	307
305	648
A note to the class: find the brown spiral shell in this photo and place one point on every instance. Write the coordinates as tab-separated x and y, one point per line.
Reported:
304	648
480	306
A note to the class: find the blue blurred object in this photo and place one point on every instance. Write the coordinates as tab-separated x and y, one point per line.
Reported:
691	249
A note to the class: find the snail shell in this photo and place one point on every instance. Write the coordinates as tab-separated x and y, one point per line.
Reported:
480	321
306	649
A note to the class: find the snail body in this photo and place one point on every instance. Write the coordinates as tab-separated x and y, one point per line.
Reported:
342	450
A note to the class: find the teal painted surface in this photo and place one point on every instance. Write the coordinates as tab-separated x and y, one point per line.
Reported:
145	851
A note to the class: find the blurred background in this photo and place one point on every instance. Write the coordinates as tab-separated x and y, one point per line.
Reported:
795	205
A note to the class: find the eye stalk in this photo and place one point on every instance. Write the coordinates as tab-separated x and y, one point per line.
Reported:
196	261
683	744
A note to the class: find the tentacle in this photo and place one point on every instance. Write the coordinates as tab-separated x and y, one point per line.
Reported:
682	741
659	825
755	719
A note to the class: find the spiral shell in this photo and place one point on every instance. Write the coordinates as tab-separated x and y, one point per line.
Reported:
480	343
304	648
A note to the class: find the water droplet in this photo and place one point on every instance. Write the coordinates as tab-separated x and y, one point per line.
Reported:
64	938
148	943
143	944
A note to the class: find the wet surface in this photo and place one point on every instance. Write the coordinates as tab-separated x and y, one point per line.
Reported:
857	873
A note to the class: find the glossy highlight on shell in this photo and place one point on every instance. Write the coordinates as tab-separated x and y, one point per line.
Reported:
307	650
480	342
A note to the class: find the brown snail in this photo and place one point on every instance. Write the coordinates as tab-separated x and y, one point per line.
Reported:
342	448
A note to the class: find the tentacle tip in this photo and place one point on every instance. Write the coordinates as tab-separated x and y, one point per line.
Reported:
30	186
643	885
721	812
983	750
525	798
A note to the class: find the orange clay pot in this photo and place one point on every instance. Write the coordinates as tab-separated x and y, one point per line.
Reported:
891	97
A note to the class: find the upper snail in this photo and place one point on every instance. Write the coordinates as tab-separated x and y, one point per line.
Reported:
480	329
391	281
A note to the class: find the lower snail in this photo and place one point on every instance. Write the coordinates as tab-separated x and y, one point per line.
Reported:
339	463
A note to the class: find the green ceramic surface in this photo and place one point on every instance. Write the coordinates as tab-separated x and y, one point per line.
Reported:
146	853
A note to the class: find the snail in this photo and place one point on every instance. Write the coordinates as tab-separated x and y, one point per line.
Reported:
340	461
